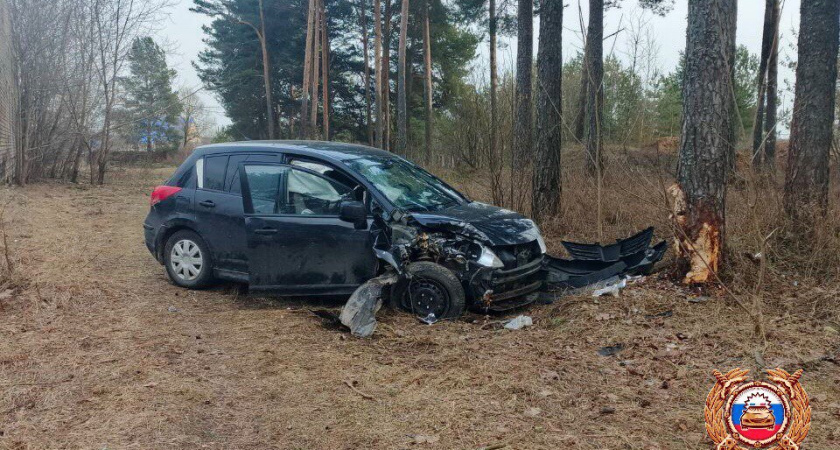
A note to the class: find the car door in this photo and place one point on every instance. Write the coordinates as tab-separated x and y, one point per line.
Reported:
219	214
297	244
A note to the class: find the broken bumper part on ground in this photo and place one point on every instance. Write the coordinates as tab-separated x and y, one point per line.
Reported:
359	313
592	263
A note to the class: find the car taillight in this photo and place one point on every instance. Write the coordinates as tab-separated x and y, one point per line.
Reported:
161	193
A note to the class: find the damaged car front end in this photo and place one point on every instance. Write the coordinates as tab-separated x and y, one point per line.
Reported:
496	255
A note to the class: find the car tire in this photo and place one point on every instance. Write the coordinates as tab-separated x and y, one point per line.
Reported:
187	260
435	290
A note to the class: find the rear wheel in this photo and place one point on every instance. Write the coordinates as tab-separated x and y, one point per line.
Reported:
187	260
432	292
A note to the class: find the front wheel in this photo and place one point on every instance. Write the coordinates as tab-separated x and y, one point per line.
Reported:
187	260
431	293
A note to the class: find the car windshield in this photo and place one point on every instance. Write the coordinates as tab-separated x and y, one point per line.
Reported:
406	186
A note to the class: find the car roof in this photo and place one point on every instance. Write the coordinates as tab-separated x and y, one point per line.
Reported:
335	150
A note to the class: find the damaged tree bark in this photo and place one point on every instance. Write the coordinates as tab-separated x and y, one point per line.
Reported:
700	193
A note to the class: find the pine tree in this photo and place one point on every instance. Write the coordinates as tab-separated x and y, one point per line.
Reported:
806	179
151	103
545	200
700	192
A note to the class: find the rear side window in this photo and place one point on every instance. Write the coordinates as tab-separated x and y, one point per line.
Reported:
187	180
214	172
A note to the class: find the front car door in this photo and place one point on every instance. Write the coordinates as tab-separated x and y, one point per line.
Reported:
297	244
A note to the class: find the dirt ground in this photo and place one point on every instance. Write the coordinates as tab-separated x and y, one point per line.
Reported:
99	350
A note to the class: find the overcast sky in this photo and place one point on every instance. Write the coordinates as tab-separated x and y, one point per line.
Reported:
182	30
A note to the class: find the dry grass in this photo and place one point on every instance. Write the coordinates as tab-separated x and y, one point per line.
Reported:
92	357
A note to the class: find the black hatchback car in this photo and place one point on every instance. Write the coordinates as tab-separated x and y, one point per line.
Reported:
320	218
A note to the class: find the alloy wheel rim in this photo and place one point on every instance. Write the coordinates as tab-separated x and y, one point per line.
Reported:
186	260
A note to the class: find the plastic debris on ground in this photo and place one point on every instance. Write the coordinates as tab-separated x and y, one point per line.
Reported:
519	322
612	289
359	313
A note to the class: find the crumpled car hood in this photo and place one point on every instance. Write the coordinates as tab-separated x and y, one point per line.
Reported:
486	223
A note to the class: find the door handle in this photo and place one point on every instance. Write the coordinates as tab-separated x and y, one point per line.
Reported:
266	231
208	204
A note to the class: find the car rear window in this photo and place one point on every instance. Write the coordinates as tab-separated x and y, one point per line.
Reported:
214	172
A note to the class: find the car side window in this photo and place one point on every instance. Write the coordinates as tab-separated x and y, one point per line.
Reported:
264	186
232	184
311	194
325	170
214	172
187	180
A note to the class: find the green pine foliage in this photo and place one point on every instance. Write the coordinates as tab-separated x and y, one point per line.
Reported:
151	106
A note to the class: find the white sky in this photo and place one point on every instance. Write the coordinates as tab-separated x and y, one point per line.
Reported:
182	31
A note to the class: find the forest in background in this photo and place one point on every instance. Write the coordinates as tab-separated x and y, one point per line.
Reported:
400	75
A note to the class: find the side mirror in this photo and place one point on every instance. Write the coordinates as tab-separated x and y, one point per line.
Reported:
354	212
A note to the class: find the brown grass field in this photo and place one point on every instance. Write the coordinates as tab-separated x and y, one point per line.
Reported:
98	350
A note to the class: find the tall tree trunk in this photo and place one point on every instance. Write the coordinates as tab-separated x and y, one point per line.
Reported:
700	192
316	66
427	60
377	62
806	179
386	74
772	93
595	89
402	119
269	102
494	82
325	71
583	97
545	201
366	55
522	132
307	69
758	124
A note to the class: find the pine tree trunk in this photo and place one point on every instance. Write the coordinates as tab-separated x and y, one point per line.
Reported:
377	62
386	74
427	59
806	179
758	123
402	119
366	55
316	66
700	192
583	96
772	94
269	102
494	82
545	201
307	69
325	72
595	89
522	133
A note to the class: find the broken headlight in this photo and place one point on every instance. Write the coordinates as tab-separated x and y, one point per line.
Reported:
489	259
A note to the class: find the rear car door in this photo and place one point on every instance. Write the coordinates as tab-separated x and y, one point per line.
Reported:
297	244
218	211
